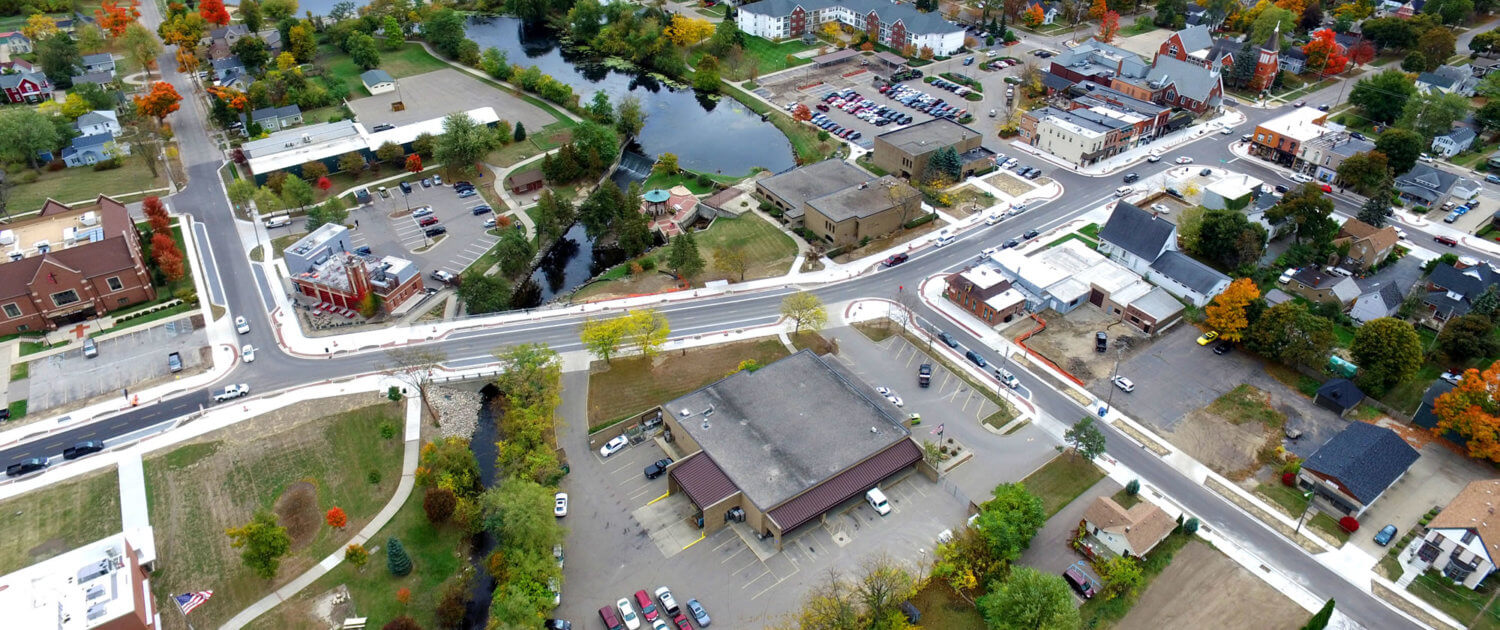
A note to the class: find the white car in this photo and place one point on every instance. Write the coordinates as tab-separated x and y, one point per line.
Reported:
1226	131
668	603
627	614
1301	178
1451	377
889	395
660	624
240	325
1011	162
613	446
1426	157
1161	208
1286	276
1123	383
1153	158
247	353
1400	234
556	592
1184	160
560	504
1124	190
877	500
1007	378
489	223
994	217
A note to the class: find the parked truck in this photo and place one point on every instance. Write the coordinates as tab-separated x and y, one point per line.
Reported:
232	392
82	448
25	466
174	362
924	374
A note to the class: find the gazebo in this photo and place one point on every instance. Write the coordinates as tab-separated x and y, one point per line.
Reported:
654	202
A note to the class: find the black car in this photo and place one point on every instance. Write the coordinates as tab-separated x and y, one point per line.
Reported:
975	358
658	467
1223	348
948	339
557	624
1101	341
436	230
478	210
406	187
383	127
25	466
896	259
363	250
1030	234
1281	189
82	448
1130	177
462	184
1206	172
1010	243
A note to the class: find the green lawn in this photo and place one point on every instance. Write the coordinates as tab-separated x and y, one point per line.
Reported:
716	11
1062	480
768	251
81	184
436	553
1244	404
1074	236
1465	605
634	384
536	143
197	491
766	55
51	520
1290	501
411	60
941	608
19	371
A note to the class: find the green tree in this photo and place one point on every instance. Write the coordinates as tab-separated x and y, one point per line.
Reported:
352	163
250	15
59	58
1451	11
1401	147
1229	239
1414	61
240	191
706	75
463	143
1487	303
297	193
944	165
600	109
1320	620
1122	576
1433	113
666	164
483	294
603	336
302	42
396	559
629	118
1365	171
518	512
390	153
362	50
1437	45
1387	351
1268	20
262	543
515	251
331	211
805	309
647	330
266	201
1029	600
585	19
1310	211
1009	521
444	29
493	62
1243	68
141	45
278	10
1390	33
520	133
732	260
395	36
25	131
1290	333
553	216
1085	438
1467	337
252	51
1489	86
1488	117
683	257
1377	209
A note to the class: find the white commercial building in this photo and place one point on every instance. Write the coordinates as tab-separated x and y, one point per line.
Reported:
895	25
104	584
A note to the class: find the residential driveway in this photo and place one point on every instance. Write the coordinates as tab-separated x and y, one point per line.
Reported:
387	227
129	361
439	93
1050	551
1404	274
1175	375
1432	481
948	402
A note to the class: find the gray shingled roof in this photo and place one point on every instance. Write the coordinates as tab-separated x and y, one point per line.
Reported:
1365	458
1426	182
1192	80
1195	38
1191	273
376	76
1461	135
1377	304
1137	231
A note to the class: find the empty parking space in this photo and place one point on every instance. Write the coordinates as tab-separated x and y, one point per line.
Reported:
126	362
436	94
393	224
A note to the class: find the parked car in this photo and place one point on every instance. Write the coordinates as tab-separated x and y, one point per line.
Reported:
231	392
1451	377
560	504
1444	240
668	603
1101	341
406	187
90	348
25	467
422	211
174	362
1080	581
1030	234
975	358
427	221
436	230
1008	379
890	395
877	501
466	193
1384	536
948	339
627	614
648	607
1493	179
699	613
82	448
1206	172
896	259
1208	337
437	180
655	469
557	624
427	182
680	622
611	618
364	250
1224	347
614	445
445	277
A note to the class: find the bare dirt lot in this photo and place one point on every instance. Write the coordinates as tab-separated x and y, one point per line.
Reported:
1238	599
1068	341
1010	184
1229	433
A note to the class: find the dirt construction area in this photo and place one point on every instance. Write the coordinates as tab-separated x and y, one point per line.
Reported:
297	463
1068	341
1237	600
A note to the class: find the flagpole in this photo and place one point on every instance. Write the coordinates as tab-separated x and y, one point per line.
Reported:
185	617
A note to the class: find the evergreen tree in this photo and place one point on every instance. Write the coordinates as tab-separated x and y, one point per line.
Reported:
1487	303
1244	67
520	131
396	559
945	164
684	257
1320	620
1377	208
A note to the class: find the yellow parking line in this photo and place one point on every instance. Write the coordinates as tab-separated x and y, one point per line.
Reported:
700	537
663	497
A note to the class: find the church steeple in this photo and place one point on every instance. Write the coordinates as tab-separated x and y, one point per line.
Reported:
1268	64
1273	44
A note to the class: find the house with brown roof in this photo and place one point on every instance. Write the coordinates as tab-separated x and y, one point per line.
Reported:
67	265
1368	245
986	293
1463	540
1132	532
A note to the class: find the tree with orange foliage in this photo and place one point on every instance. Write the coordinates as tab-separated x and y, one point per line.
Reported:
1362	53
1295	6
214	12
160	100
167	256
1226	313
1109	26
801	112
1472	412
336	518
156	215
1033	16
1323	53
235	99
414	163
1098	9
187	62
114	19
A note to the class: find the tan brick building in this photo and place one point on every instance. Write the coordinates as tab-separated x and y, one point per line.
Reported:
905	152
872	209
66	265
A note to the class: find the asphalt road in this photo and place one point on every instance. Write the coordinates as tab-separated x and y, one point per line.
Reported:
205	200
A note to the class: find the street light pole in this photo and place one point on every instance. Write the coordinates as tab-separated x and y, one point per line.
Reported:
1305	510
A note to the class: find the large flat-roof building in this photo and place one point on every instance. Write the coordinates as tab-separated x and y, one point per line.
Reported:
839	203
896	25
905	151
289	149
790	190
778	447
323	268
103	585
66	265
1280	139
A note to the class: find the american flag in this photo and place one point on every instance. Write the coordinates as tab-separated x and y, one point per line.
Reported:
188	601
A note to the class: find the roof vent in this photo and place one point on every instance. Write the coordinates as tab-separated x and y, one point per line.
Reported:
874	430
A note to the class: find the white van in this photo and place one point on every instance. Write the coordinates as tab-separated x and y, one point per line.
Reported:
877	500
945	237
276	222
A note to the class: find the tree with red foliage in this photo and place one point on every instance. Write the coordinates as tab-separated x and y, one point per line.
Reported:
1323	53
214	12
324	183
336	518
1362	53
1349	524
414	163
403	595
114	19
160	100
156	215
1109	25
801	112
168	258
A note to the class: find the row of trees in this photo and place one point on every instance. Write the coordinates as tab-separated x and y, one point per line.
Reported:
165	255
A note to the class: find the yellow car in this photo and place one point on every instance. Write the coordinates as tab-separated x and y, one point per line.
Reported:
1208	337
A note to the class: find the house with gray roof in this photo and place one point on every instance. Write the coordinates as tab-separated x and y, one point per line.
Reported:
1328	151
97	122
1456	141
1147	244
377	81
1448	79
87	150
1355	467
1183	84
226	34
101	62
1321	286
101	79
16	42
1376	304
1425	185
277	118
1451	290
1202	16
1098	62
231	72
1197	44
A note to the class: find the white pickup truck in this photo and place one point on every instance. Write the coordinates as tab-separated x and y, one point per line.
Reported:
232	392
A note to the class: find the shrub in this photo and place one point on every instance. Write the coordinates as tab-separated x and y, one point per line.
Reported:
388	429
56	165
704	180
438	503
394	393
403	595
27	177
402	623
1288	479
1191	526
1133	488
373	477
452	603
396	559
636	269
920	221
356	554
648	263
1349	524
109	165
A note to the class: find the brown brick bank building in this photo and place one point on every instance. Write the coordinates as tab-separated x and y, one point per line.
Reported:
66	265
779	447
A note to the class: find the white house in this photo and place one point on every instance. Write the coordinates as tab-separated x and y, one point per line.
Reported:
1050	11
97	122
1463	540
1132	532
1448	79
1147	245
895	25
378	81
1457	140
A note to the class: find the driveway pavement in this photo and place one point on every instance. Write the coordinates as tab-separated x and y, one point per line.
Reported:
1050	551
130	361
1432	481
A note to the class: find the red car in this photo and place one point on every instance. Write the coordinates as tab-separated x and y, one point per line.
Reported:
682	622
822	107
426	221
1326	188
896	259
1446	241
648	607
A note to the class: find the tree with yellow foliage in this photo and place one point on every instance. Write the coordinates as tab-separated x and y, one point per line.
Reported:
1226	313
39	26
831	30
286	61
1472	411
686	31
1033	16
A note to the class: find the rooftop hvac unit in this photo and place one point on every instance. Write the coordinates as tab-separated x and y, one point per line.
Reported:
89	218
43	247
14	256
95	592
96	611
70	235
7	237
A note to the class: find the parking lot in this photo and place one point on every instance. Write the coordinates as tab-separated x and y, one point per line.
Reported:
134	360
438	93
387	227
